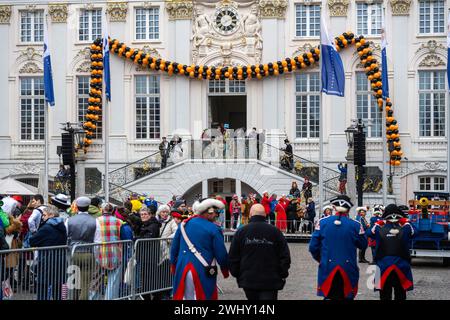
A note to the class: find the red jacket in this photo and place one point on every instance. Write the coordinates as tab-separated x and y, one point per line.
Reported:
266	203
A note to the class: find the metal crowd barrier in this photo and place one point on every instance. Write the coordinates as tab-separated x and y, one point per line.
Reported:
301	226
97	271
34	274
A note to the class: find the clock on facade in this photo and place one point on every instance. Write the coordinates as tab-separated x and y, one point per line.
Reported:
226	20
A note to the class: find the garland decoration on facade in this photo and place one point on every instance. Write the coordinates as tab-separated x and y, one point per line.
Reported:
261	71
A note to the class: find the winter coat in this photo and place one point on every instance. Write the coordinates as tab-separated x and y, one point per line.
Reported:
126	233
334	246
149	229
291	211
266	204
51	233
168	228
95	211
311	211
273	204
24	220
259	256
294	192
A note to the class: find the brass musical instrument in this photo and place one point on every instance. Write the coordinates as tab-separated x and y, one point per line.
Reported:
423	202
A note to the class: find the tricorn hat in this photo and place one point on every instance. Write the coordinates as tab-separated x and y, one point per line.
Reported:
393	213
341	203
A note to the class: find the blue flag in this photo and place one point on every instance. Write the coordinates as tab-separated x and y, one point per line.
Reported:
48	78
448	51
384	67
333	76
106	71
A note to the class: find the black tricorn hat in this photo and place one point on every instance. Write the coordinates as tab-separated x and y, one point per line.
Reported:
392	212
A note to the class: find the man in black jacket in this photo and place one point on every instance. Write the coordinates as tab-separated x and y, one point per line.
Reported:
259	257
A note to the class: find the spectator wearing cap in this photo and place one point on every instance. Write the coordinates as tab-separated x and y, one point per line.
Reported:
334	244
61	201
50	264
81	230
94	208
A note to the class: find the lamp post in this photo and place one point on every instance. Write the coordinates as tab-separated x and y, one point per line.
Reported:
351	178
72	139
360	159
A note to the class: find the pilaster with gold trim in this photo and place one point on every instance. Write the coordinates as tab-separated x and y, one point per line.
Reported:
180	9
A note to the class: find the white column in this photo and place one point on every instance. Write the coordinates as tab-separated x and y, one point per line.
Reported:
205	188
238	188
180	31
7	106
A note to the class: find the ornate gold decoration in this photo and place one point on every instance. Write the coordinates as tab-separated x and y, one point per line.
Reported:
273	9
58	12
180	9
30	67
117	11
338	8
5	14
400	7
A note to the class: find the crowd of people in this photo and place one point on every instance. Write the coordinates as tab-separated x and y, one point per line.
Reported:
258	241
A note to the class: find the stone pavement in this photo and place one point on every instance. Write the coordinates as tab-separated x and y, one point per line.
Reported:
431	279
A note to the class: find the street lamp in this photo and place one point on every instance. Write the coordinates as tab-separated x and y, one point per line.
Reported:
72	140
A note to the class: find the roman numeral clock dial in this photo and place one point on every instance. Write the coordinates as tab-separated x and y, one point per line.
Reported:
226	20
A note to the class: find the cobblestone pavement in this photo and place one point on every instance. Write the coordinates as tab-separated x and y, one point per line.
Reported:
431	279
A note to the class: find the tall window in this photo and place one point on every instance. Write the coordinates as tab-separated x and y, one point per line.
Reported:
83	103
32	108
147	107
369	18
32	26
432	103
307	20
431	16
90	25
431	183
366	106
307	105
147	24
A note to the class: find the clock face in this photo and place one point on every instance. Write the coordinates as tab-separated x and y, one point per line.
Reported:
226	20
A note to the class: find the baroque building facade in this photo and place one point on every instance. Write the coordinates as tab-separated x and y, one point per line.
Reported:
148	105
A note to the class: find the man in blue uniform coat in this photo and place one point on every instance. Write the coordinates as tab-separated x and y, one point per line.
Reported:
333	245
393	237
194	265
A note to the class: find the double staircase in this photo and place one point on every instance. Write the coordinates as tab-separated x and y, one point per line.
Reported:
239	152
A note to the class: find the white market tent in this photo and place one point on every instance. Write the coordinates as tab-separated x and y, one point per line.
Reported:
10	186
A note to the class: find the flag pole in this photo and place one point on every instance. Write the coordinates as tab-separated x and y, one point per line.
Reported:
106	114
321	191
46	124
383	134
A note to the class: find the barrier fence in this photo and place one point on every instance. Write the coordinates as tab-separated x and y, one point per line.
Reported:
298	226
97	271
